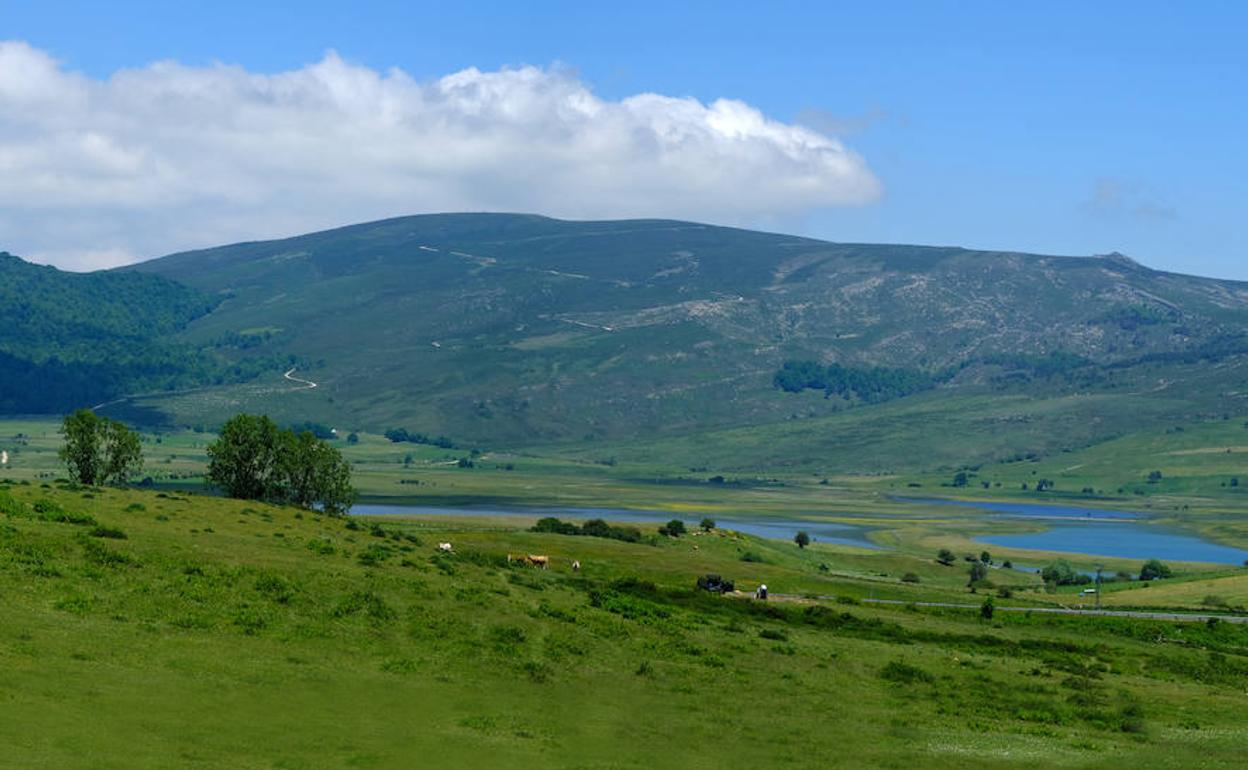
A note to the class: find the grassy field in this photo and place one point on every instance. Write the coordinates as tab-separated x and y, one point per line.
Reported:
157	629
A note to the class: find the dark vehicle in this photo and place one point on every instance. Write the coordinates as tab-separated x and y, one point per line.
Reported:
715	584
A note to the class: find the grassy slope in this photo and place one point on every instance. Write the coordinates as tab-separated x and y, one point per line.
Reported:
213	636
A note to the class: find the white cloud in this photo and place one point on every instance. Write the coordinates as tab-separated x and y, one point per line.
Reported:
167	157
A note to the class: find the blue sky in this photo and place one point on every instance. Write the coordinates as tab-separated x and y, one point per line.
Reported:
1070	128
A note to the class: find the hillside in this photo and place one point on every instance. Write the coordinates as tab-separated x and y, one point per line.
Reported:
519	330
75	339
155	630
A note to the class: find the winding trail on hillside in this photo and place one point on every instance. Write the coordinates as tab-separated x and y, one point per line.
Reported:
307	384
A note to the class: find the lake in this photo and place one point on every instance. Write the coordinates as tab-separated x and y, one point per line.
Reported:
1087	531
761	526
1098	532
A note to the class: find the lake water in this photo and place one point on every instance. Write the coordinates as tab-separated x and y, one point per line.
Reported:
1098	532
1030	510
1088	531
762	526
1136	540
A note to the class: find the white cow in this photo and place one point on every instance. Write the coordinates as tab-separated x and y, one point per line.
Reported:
444	547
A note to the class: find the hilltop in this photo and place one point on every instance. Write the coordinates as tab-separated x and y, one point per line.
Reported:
501	330
509	329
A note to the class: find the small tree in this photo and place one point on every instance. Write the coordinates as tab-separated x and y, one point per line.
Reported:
985	557
960	479
979	572
98	450
353	438
946	557
707	524
987	609
673	528
802	539
1154	569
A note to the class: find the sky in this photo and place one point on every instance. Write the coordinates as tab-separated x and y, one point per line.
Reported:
129	130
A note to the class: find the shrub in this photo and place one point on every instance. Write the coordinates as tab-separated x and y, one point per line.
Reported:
673	528
750	556
909	577
904	673
1155	570
109	532
773	634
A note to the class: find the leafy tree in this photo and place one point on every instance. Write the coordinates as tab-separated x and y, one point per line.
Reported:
253	460
98	450
985	557
82	452
123	455
243	461
802	539
961	479
979	572
707	524
311	472
353	438
946	557
987	609
1061	573
1154	477
1007	564
674	528
1155	570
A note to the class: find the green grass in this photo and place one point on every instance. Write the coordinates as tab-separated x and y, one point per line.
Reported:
224	634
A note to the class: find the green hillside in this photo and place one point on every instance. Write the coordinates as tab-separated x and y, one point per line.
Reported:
161	630
518	330
74	339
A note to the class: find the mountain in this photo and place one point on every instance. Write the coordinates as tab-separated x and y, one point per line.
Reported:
500	329
73	339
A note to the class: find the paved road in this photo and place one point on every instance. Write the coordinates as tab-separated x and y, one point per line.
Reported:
1179	616
1174	616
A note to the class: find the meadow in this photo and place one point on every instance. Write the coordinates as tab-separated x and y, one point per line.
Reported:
160	628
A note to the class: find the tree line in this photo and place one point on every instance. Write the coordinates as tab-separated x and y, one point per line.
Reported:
867	384
252	459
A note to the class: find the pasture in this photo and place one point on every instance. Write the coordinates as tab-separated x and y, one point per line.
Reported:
150	629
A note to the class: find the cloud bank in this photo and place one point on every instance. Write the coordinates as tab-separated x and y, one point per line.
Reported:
96	173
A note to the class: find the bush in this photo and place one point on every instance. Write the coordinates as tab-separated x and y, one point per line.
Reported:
750	556
909	577
1155	570
109	532
904	673
673	528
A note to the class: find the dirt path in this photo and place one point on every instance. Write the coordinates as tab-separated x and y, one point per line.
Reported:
307	384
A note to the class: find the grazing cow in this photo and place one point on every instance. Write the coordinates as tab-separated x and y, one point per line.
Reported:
539	561
576	566
444	547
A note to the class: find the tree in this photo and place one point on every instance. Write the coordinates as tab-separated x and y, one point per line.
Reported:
987	609
985	557
674	528
123	455
243	459
707	524
979	572
311	472
254	460
353	438
1154	477
946	557
961	479
82	452
802	539
1155	570
98	450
